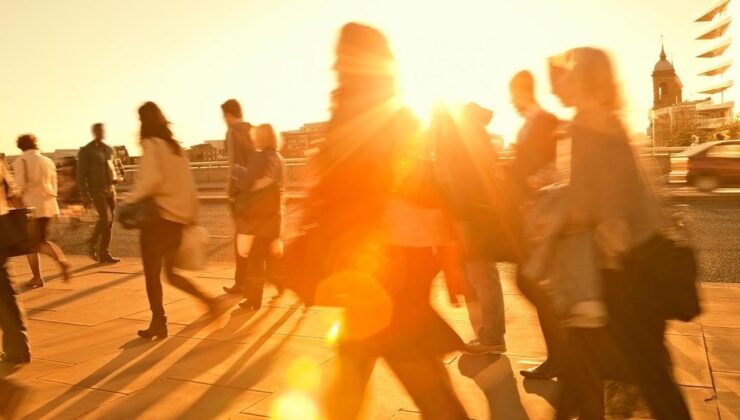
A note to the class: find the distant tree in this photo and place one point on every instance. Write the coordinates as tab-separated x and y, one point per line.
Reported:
731	130
683	135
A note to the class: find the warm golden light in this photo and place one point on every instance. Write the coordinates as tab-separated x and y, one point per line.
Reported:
294	405
332	336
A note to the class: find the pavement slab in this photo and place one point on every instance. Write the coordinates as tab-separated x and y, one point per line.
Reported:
89	362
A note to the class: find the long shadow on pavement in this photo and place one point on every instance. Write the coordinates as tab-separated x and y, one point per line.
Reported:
494	376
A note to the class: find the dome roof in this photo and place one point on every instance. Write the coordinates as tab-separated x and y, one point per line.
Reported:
663	64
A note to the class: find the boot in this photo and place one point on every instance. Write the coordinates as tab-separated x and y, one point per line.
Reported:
158	328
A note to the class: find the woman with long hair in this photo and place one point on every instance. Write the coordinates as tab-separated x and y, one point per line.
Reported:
165	177
610	201
382	222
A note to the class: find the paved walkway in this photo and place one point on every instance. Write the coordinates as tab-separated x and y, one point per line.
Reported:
88	361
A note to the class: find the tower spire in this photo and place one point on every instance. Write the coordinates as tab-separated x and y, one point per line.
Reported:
662	48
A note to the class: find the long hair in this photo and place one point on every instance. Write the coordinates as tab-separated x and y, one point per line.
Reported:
587	76
266	137
155	125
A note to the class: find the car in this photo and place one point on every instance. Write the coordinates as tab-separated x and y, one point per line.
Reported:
708	166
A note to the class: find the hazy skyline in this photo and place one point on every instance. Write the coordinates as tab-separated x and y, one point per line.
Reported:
70	64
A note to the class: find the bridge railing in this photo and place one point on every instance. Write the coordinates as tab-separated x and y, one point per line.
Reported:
213	174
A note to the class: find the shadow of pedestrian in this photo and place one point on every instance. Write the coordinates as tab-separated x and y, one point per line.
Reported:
494	376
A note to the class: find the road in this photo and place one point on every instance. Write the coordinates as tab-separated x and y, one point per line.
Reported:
714	230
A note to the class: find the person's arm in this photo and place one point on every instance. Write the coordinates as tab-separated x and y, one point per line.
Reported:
6	178
19	169
273	169
149	175
245	177
82	167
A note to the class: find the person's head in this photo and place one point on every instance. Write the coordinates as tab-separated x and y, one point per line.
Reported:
232	111
98	131
155	125
265	137
28	142
521	89
720	136
364	64
584	78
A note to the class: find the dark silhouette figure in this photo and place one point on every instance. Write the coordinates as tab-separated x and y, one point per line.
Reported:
96	179
367	169
534	155
246	164
263	221
609	196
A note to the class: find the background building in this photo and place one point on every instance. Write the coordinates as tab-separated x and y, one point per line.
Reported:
202	153
300	143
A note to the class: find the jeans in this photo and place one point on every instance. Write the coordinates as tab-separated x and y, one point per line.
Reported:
256	269
159	244
483	277
105	206
484	280
15	339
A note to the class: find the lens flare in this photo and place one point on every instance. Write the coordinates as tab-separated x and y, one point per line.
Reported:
332	336
294	405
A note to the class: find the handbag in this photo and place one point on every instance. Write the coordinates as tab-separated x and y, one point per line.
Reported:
138	215
662	273
193	251
19	232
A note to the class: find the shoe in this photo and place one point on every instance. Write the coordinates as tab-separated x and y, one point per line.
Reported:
11	398
5	358
66	273
478	347
35	283
546	370
109	259
250	305
157	328
233	290
92	251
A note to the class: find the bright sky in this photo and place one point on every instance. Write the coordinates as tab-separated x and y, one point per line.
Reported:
68	64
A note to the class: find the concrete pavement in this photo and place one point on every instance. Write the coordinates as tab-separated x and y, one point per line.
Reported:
89	362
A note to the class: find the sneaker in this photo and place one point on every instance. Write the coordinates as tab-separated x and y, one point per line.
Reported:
478	347
34	283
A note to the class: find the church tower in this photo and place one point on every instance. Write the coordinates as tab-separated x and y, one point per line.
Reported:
667	87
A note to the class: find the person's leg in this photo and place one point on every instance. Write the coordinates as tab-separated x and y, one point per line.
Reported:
582	389
51	249
240	272
483	276
34	262
428	383
15	339
109	204
551	331
171	235
256	271
152	253
346	392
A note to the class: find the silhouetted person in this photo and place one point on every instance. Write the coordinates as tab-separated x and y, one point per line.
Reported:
245	166
263	222
164	176
36	177
534	155
96	179
466	162
382	228
15	349
609	200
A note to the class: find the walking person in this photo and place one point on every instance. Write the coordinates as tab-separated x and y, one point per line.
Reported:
15	348
36	177
262	224
535	157
382	229
164	177
608	199
466	162
246	164
96	179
